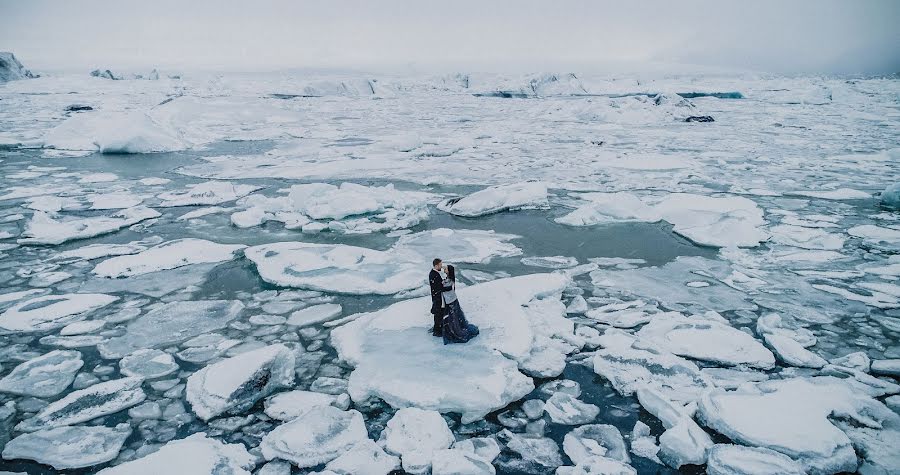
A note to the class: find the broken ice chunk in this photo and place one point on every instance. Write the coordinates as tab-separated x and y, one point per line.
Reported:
793	353
317	437
315	314
206	193
51	311
69	447
235	384
726	459
458	462
168	255
293	404
364	458
498	198
45	376
565	409
148	364
595	440
196	455
85	404
44	229
414	434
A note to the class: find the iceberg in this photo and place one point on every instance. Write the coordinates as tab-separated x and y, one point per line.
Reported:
890	197
168	255
46	376
396	361
83	405
319	436
45	229
69	447
113	132
235	384
195	455
171	323
50	312
499	198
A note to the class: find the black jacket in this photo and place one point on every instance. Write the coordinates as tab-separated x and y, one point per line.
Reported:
437	287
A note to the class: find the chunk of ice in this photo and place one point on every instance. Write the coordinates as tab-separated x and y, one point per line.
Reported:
317	437
50	312
45	376
44	229
85	404
168	255
69	447
206	194
498	198
197	455
414	434
726	459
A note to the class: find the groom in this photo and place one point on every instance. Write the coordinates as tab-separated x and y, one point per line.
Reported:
437	299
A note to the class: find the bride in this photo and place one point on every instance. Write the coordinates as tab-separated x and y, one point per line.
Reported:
456	328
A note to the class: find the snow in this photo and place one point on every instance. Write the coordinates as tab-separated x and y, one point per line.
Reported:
317	437
293	404
168	255
206	194
726	459
499	198
69	447
113	132
83	405
148	364
630	363
565	409
792	416
46	376
414	435
46	229
707	340
595	440
395	363
235	384
793	353
197	455
358	270
315	314
171	323
49	312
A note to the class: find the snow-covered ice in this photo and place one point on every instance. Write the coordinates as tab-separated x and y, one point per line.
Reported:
290	405
498	198
414	435
45	376
85	404
69	447
51	311
726	459
46	229
195	454
168	255
236	383
318	436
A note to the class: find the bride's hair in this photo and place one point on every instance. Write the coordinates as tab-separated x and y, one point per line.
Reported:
451	272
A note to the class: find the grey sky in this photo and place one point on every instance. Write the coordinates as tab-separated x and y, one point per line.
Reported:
828	36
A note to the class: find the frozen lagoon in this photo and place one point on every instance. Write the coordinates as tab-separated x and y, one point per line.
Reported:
776	153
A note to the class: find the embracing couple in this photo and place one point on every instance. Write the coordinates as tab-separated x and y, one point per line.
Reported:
449	319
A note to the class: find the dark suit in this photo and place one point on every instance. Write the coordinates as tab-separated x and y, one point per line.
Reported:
437	301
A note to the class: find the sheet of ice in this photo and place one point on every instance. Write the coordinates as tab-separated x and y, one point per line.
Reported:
603	208
83	405
315	314
550	262
168	255
206	194
69	447
115	200
96	251
358	270
317	437
113	132
596	465
458	462
875	234
394	363
806	238
195	454
49	312
414	435
709	340
536	454
630	363
148	364
293	404
714	221
45	376
235	384
727	459
46	229
364	458
792	416
683	442
171	323
498	198
595	440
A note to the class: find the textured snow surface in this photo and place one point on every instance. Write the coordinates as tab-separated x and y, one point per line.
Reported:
394	363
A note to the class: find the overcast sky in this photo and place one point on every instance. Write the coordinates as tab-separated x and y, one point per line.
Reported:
819	36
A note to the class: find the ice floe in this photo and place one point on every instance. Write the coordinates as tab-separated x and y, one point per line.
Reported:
726	459
290	405
51	311
395	363
195	454
414	435
364	458
714	221
566	409
45	376
498	198
46	229
318	436
206	194
83	405
236	383
69	447
595	440
168	255
113	132
148	364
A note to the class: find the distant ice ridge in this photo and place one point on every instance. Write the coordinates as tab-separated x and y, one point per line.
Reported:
11	69
348	208
523	328
719	221
358	270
